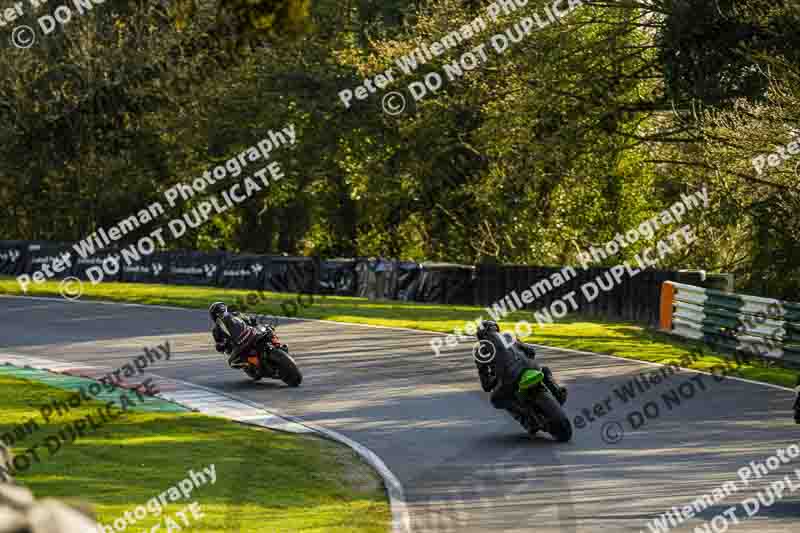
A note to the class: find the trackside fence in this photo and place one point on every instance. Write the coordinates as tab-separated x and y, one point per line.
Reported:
636	299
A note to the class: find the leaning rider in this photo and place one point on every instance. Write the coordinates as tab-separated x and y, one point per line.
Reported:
233	333
502	381
797	402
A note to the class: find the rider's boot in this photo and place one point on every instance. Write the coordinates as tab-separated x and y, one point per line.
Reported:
235	361
558	391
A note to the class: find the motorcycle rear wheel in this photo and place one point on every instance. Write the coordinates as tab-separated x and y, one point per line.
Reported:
558	424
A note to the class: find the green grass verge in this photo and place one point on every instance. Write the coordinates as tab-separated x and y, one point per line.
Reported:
627	340
266	480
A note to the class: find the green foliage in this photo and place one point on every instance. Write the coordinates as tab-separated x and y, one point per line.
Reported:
583	129
259	17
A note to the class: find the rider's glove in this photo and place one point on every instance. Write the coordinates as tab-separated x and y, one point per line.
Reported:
527	349
221	346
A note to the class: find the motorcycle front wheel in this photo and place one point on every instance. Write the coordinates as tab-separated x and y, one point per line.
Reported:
287	369
558	424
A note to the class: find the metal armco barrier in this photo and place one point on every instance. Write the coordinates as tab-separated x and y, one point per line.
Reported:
749	325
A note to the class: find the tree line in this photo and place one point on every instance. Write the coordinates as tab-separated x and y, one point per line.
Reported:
582	130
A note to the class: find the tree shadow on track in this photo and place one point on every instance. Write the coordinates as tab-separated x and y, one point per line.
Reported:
524	487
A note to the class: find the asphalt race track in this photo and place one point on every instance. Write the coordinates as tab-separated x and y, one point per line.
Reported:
463	465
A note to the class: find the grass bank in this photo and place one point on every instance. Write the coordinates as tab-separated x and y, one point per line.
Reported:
265	481
621	339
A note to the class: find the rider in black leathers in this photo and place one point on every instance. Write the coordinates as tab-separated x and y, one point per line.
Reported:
502	374
233	333
797	403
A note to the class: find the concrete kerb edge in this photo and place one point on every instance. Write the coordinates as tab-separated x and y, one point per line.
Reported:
43	367
401	520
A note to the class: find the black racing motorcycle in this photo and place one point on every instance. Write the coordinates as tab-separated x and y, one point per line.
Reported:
534	404
267	357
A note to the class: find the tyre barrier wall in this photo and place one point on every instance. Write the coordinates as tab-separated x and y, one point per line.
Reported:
637	299
217	269
401	279
276	273
747	325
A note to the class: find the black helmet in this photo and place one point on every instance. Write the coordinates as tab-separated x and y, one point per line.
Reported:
216	310
486	327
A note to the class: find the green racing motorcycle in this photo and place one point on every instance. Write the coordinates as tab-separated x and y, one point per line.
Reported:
533	400
538	409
